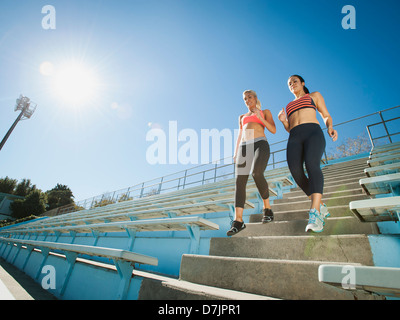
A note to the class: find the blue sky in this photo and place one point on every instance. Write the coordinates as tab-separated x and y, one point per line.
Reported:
187	61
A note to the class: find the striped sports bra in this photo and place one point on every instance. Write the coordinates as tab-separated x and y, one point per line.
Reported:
304	102
253	118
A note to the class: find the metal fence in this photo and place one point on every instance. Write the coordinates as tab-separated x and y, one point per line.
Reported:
355	136
389	127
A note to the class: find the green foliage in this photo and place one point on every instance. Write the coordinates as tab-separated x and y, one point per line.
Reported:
24	188
33	204
7	185
36	202
59	196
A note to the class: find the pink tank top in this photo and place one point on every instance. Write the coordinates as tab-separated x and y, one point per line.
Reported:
253	118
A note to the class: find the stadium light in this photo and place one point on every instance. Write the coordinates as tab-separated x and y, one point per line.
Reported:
27	108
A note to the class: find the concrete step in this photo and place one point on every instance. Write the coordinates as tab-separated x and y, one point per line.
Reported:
331	187
336	176
359	172
285	279
334	192
340	180
346	164
346	178
333	226
305	204
280	259
288	215
339	248
349	168
348	181
158	287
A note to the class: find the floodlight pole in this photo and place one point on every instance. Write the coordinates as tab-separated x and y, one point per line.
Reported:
11	129
23	104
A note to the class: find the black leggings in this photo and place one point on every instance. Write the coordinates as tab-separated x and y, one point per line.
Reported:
254	154
306	144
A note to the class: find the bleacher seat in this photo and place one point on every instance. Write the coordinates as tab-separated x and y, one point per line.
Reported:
382	170
193	224
383	179
393	152
216	197
377	280
386	147
389	183
384	159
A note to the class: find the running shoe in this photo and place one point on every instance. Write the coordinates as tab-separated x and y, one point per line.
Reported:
315	221
323	209
268	216
236	227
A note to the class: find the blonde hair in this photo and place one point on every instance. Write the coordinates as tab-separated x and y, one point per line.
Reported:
252	92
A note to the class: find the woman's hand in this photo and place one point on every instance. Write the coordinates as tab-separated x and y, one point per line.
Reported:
283	118
321	107
257	112
282	115
332	133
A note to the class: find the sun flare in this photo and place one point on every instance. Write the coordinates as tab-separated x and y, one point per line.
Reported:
75	84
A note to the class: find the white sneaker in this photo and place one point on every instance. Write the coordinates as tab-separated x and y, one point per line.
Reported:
315	221
323	209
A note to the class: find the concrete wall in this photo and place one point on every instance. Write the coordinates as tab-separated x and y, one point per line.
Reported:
87	281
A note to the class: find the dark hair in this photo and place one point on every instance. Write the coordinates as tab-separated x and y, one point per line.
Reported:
301	80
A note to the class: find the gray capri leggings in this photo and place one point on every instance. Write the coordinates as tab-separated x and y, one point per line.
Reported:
252	155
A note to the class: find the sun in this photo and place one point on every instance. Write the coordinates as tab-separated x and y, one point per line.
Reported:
75	84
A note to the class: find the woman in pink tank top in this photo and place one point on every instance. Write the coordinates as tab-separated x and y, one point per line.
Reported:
252	154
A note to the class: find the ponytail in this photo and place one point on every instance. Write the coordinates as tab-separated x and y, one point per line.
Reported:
258	105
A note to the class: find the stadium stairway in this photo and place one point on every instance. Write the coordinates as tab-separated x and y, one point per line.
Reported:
279	260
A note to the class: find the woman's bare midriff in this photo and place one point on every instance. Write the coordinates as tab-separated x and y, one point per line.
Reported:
252	130
302	116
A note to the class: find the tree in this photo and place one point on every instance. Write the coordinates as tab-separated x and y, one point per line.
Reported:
7	185
24	188
36	202
33	204
351	147
59	196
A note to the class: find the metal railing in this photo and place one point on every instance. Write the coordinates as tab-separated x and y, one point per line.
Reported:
385	124
355	142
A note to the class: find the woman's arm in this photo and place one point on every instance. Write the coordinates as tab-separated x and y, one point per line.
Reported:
323	111
282	118
268	122
239	138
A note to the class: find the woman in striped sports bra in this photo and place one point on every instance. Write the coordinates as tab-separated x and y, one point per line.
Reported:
252	154
306	145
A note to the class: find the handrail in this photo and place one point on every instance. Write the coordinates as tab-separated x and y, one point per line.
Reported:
387	135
